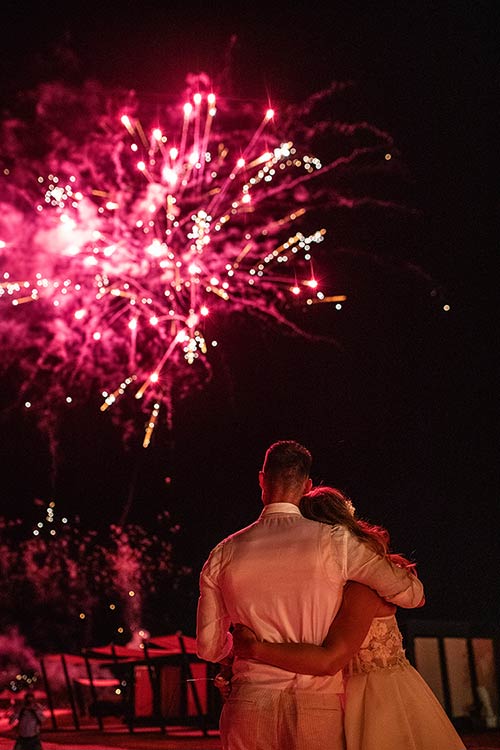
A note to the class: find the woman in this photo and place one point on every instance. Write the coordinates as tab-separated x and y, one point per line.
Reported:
388	706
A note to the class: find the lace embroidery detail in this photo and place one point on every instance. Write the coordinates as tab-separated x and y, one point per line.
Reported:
381	649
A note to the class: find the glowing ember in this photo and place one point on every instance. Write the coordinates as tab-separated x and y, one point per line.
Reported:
121	238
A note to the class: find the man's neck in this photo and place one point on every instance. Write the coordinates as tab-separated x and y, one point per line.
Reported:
280	498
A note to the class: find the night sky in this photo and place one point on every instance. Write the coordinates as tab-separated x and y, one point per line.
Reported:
401	412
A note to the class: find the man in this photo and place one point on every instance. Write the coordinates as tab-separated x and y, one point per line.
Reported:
283	576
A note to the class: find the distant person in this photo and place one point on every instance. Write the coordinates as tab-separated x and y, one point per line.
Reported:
388	705
283	576
28	720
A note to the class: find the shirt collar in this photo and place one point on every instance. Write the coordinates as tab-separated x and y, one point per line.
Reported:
289	508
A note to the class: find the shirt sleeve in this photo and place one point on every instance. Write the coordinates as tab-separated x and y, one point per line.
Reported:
398	585
214	642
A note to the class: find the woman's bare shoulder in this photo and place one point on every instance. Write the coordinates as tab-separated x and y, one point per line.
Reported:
359	590
360	594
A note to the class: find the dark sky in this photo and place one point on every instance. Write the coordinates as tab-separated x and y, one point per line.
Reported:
402	414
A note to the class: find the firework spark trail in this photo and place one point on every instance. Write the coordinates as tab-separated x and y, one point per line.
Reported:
119	241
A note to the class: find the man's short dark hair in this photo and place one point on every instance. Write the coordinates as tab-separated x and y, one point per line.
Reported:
287	461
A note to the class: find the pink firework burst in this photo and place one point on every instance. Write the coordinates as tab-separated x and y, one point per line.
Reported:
125	226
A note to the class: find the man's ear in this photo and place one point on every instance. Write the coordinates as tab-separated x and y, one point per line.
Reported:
308	486
261	479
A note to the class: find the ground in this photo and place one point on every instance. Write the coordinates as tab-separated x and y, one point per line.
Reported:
175	739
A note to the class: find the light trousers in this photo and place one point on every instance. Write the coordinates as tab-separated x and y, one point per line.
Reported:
254	718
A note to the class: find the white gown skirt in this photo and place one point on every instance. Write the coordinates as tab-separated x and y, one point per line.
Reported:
395	709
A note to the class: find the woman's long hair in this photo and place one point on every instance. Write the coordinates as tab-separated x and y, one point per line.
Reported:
329	505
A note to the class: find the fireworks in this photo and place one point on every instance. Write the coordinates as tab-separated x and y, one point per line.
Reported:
66	584
126	233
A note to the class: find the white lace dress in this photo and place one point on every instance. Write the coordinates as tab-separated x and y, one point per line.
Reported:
389	706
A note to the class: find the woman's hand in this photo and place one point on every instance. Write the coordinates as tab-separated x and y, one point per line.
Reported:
222	681
244	642
223	686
